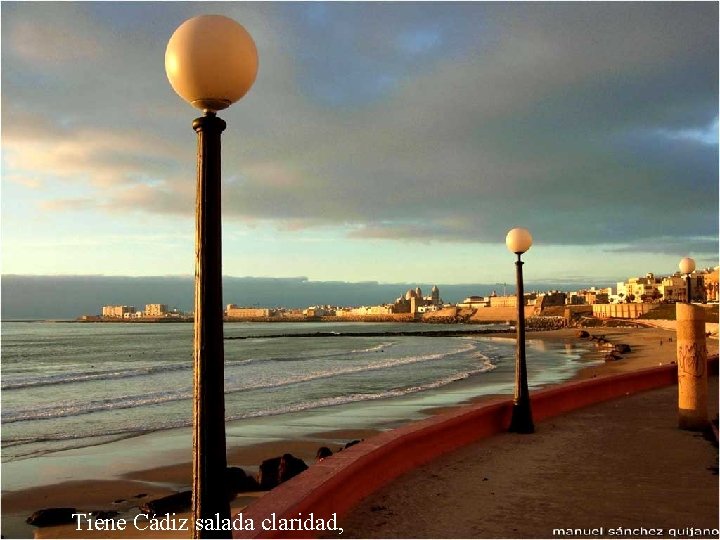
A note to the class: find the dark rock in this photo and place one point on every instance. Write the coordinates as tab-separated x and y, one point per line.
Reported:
583	334
268	473
237	480
613	356
51	516
177	502
352	443
290	466
322	453
275	471
622	348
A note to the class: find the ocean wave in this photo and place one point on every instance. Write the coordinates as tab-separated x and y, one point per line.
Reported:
232	385
114	374
83	376
329	401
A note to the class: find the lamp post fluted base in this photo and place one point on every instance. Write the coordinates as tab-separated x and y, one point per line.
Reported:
521	421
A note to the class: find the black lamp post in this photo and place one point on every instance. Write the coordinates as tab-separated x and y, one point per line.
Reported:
687	267
211	62
518	241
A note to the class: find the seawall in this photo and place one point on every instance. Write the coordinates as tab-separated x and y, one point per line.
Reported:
338	483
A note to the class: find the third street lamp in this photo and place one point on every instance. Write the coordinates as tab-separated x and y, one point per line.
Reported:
687	267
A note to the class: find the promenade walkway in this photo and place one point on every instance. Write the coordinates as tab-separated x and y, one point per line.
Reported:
622	463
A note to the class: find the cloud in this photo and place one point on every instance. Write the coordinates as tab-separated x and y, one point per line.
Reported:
587	123
67	204
670	246
42	41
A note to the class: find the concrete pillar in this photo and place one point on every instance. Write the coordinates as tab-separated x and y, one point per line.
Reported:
692	367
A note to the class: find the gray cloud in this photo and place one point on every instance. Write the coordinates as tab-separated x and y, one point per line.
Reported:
405	121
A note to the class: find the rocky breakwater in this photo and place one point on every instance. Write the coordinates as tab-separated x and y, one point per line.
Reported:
613	351
545	322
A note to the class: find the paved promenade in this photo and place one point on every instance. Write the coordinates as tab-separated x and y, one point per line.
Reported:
621	463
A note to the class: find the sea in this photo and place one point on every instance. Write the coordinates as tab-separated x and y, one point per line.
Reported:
68	387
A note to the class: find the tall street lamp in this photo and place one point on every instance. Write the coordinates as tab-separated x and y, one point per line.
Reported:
518	241
687	267
211	62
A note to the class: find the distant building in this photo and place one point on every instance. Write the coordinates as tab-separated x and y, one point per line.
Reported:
233	311
673	288
365	311
413	300
474	302
156	310
511	301
319	311
550	299
650	288
590	296
710	283
640	289
117	312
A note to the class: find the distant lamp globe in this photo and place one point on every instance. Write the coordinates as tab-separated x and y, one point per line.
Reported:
518	240
687	265
211	62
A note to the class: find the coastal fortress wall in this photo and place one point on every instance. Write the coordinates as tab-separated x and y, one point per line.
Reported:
621	311
499	314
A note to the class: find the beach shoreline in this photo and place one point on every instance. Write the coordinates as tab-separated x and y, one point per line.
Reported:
650	347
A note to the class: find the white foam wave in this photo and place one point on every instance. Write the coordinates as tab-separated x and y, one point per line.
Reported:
270	380
131	431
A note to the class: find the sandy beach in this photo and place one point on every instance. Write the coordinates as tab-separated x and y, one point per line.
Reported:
650	347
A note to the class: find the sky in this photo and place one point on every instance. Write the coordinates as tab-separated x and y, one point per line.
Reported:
388	142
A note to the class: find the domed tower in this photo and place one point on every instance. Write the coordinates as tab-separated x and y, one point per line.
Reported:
435	295
418	292
410	294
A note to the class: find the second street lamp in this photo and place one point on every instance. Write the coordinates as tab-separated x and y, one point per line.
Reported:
211	62
518	241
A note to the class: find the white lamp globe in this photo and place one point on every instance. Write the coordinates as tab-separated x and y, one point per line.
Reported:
687	265
211	62
518	240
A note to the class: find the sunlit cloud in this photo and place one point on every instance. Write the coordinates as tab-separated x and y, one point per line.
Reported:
98	158
51	44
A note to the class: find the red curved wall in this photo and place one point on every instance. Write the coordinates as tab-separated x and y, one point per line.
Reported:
338	483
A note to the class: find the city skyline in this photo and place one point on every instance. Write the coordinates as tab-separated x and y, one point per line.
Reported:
381	142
